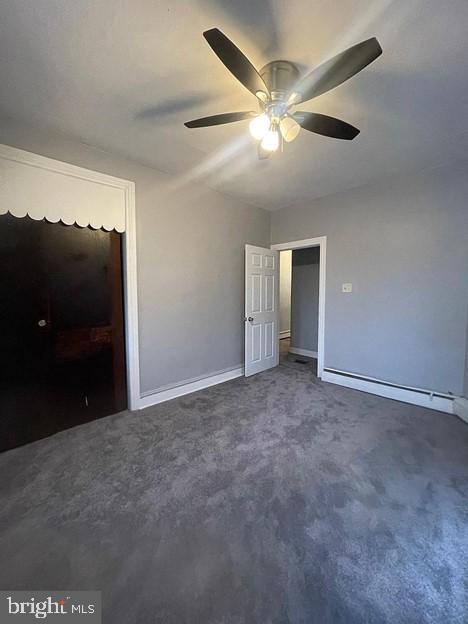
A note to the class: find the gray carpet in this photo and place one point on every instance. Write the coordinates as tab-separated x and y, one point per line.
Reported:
276	499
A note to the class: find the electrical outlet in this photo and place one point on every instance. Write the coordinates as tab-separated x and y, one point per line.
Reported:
347	288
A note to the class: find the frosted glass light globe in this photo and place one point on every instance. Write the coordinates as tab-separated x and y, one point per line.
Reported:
289	128
270	142
259	126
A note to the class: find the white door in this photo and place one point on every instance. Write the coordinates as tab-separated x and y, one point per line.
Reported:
261	309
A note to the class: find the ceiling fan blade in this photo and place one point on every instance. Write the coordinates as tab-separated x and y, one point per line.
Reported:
216	120
327	126
336	70
237	63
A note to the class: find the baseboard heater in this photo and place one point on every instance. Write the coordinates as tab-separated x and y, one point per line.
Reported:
408	394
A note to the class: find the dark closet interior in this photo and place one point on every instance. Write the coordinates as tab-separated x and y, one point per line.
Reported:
62	350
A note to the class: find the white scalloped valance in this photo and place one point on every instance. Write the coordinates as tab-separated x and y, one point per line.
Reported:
48	189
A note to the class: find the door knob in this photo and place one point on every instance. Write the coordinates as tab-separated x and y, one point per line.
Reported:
42	323
250	319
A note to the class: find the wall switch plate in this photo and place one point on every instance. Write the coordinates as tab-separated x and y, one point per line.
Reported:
347	288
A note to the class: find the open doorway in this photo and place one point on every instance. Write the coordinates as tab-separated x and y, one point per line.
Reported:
299	307
302	304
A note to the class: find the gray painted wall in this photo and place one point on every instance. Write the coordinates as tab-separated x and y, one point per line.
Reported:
190	262
403	244
305	298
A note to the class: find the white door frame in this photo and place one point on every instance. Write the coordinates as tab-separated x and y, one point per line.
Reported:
319	241
129	252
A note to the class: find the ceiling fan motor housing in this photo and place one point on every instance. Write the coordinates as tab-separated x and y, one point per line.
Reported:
280	78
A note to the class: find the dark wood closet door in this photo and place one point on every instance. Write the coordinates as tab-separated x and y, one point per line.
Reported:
62	351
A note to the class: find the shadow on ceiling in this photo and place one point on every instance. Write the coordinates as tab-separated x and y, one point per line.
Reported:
172	106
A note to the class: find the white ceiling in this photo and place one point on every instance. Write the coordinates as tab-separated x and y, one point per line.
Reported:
125	74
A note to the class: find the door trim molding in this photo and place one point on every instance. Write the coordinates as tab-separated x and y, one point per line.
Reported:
131	297
129	251
319	241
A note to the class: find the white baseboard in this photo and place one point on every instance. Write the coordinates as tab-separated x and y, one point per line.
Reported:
190	385
382	388
285	334
460	408
306	352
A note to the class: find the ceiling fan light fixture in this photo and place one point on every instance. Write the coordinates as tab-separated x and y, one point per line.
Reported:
259	126
270	142
289	128
278	86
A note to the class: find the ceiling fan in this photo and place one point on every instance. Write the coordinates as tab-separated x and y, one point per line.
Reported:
279	88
